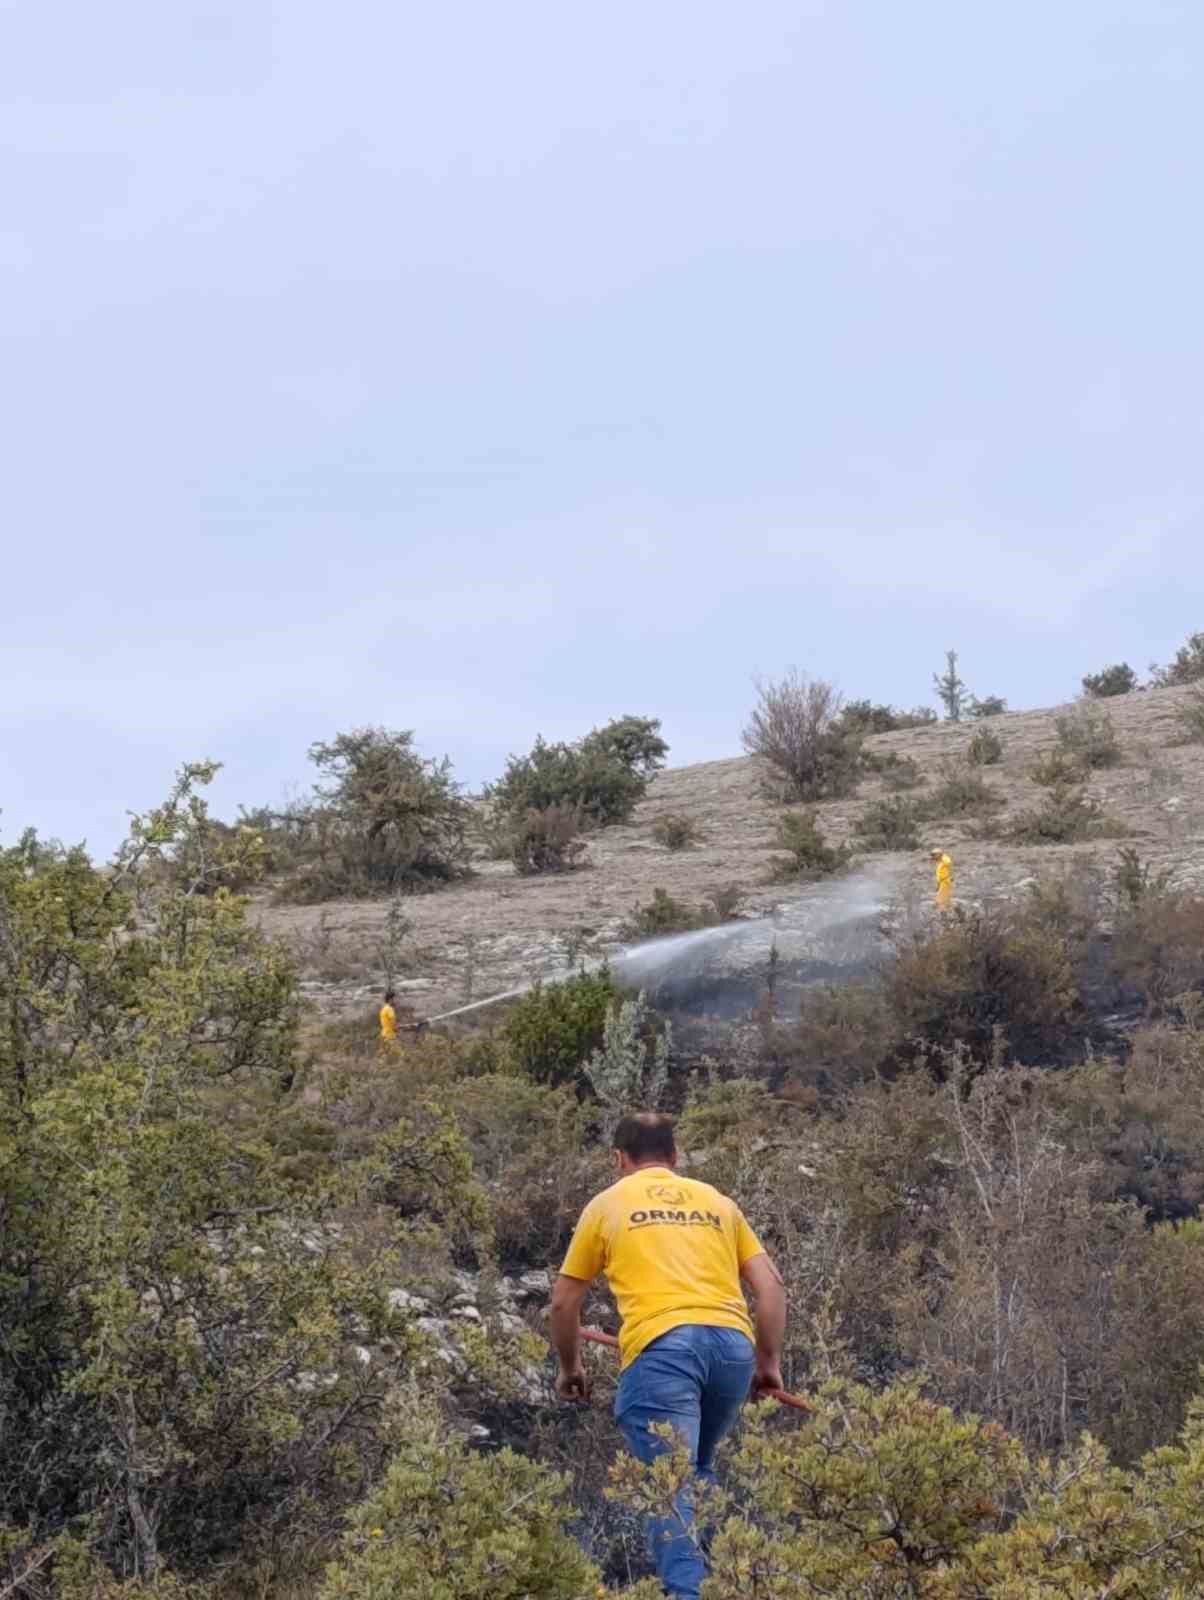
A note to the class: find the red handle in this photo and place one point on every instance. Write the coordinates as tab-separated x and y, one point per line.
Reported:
596	1336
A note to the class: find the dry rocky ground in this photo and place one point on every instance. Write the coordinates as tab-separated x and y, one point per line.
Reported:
497	930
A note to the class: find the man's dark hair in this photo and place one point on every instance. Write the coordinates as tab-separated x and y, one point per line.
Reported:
646	1136
390	996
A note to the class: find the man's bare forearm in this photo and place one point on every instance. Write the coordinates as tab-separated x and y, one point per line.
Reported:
565	1328
564	1320
771	1322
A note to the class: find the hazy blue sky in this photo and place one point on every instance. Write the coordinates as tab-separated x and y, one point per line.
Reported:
487	369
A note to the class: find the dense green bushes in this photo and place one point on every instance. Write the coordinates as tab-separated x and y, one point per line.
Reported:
180	1313
1087	735
1110	681
601	776
891	823
979	976
1188	665
863	717
382	819
665	913
212	1390
676	831
551	1030
809	855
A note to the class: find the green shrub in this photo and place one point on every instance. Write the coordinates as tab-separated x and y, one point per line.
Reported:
1190	715
797	730
1088	735
633	742
722	904
1187	667
843	1036
889	824
169	1288
961	791
985	748
991	705
675	831
630	1070
898	773
601	777
1110	681
1158	942
550	1031
384	820
1056	769
957	985
450	1523
526	1142
664	913
1133	879
809	853
1068	816
863	718
546	840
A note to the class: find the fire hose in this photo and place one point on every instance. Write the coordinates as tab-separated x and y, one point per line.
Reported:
596	1336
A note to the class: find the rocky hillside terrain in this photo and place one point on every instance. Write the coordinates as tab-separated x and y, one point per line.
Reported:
497	931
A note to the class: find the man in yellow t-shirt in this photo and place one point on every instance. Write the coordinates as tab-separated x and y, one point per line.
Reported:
675	1253
388	1018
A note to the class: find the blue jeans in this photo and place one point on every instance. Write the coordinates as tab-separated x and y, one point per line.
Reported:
695	1378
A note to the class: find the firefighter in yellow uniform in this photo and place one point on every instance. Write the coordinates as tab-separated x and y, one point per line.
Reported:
388	1019
943	864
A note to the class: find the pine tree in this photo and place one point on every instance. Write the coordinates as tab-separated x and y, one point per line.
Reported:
950	689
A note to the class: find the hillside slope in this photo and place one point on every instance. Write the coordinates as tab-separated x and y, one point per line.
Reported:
497	930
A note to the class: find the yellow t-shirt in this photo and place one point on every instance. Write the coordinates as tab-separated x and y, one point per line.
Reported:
672	1250
944	873
388	1022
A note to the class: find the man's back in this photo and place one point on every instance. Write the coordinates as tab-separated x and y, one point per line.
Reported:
672	1250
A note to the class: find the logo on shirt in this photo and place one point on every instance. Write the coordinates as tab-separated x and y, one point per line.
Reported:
666	1194
683	1219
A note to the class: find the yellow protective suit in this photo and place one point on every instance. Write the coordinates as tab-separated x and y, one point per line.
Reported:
944	882
388	1022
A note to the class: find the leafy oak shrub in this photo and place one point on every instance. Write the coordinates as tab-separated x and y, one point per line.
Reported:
985	748
809	855
450	1523
1158	944
181	1310
527	1146
1087	734
675	831
844	1034
961	791
1110	681
991	705
891	823
865	718
382	820
1055	769
1190	715
600	777
979	976
898	773
1187	667
664	913
551	1030
546	840
798	731
1068	816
